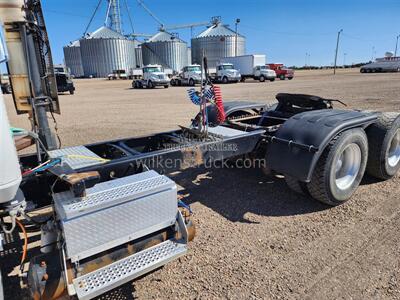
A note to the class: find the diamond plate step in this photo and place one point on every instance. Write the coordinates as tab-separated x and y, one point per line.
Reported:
107	278
76	157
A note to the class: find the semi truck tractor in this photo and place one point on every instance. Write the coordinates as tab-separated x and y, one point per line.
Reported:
153	75
251	66
189	75
225	73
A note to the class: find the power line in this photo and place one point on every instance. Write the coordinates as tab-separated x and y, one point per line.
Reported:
65	13
289	33
129	15
91	19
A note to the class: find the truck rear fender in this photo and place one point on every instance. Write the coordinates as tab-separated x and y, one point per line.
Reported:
298	144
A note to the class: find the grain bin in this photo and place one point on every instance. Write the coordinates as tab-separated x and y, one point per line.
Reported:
165	49
72	58
217	41
106	50
138	54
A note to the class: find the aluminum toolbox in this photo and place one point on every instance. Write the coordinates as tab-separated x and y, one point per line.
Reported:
115	212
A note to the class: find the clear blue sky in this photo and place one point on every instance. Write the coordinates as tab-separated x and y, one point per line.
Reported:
283	30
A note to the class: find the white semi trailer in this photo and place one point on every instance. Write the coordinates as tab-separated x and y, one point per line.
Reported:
384	64
251	66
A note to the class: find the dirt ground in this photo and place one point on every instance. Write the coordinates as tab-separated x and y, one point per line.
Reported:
255	238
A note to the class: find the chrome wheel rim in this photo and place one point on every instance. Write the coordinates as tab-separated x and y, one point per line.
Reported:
347	166
394	150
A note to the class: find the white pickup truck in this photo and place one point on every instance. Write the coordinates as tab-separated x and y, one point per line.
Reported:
225	73
251	66
152	76
189	75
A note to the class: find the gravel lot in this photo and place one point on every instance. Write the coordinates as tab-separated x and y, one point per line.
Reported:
255	238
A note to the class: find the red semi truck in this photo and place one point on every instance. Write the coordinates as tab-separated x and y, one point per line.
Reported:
281	71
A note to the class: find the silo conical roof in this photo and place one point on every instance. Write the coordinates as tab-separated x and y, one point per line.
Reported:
218	30
105	33
164	36
74	44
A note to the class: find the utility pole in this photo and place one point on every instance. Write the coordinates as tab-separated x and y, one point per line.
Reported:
307	59
336	52
397	41
236	36
344	60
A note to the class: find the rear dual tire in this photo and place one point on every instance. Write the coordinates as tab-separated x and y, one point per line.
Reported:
384	146
339	170
296	185
348	156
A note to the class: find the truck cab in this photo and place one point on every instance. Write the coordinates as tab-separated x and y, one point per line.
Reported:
226	72
281	71
64	83
263	72
153	75
5	84
189	75
117	74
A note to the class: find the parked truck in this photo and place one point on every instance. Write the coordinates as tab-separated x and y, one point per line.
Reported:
117	74
5	84
225	73
189	75
64	83
384	64
251	66
152	76
281	71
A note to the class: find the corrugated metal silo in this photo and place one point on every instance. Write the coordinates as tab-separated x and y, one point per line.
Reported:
73	60
106	50
189	53
165	49
217	41
139	58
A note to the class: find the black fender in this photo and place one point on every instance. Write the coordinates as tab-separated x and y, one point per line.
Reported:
298	144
